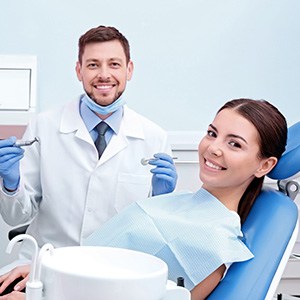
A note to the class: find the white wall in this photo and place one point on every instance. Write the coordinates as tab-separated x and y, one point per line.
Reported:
190	55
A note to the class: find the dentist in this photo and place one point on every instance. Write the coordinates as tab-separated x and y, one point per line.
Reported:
63	185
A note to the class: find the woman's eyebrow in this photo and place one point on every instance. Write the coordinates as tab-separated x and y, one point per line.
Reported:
213	127
237	137
229	135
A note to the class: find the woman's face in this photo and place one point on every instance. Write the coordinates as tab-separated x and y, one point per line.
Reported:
229	154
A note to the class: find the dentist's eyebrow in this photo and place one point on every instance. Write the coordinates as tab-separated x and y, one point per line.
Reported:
115	58
89	60
229	135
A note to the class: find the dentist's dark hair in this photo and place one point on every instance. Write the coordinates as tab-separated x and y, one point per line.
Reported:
272	130
103	34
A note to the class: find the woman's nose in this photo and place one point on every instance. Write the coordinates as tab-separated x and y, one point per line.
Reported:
215	149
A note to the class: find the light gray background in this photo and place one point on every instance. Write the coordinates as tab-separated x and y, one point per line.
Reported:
190	55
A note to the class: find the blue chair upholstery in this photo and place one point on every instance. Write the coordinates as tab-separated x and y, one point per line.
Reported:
270	232
289	164
267	232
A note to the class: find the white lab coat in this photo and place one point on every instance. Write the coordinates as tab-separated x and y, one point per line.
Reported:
66	189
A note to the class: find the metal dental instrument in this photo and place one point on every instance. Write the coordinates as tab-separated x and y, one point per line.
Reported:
21	143
145	161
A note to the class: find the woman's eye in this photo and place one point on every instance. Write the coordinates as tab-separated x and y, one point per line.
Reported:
235	144
211	133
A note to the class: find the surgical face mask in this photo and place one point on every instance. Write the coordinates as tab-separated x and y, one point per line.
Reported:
103	110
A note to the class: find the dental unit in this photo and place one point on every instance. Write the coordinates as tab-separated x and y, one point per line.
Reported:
85	272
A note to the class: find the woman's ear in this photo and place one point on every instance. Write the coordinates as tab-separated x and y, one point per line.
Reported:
266	166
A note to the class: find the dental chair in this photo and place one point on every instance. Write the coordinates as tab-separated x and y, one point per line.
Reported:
270	232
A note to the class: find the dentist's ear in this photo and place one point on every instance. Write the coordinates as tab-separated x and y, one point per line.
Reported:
267	164
130	68
78	71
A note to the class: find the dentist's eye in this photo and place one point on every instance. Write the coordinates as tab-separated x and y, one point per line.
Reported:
115	65
92	66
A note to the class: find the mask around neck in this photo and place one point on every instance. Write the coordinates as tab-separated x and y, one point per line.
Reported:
103	110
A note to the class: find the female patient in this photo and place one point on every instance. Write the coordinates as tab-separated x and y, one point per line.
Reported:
242	144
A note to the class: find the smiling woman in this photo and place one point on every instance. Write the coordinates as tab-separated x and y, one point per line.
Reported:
269	134
230	158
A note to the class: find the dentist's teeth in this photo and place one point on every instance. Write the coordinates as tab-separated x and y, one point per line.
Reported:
211	165
103	87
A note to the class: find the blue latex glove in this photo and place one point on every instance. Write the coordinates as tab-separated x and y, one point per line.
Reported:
164	177
10	156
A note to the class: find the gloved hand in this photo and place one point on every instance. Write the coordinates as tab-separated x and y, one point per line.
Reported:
164	177
10	156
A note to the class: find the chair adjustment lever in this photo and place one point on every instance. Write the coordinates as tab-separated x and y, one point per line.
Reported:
289	188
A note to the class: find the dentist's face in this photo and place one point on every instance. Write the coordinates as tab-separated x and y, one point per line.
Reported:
104	71
229	154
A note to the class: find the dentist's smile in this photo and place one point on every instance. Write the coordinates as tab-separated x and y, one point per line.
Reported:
101	86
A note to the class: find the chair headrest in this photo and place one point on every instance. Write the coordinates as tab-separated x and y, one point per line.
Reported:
289	163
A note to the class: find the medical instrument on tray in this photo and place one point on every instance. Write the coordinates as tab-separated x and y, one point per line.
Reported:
145	161
21	143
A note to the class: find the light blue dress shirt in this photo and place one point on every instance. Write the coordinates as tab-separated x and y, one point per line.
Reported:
91	120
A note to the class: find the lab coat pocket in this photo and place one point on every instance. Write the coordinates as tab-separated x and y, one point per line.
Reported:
130	188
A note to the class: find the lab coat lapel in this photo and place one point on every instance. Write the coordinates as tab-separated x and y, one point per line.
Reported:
71	121
116	144
131	127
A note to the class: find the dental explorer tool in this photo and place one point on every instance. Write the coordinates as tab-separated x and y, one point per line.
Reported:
20	143
145	161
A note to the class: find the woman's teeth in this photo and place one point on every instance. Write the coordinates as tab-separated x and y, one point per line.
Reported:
211	165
